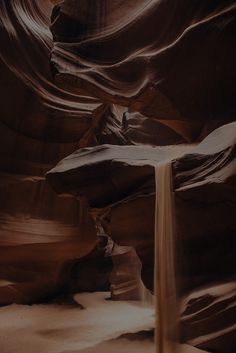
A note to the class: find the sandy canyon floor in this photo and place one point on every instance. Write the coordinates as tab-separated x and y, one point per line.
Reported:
95	324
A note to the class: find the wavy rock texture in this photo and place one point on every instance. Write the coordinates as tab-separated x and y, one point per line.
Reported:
165	59
117	177
39	125
204	182
79	73
208	318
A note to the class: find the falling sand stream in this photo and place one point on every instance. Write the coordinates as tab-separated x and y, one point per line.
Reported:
166	309
164	276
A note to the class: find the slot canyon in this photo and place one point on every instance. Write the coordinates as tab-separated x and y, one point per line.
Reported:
118	176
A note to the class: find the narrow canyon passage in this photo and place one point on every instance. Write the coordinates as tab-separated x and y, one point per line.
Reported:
117	115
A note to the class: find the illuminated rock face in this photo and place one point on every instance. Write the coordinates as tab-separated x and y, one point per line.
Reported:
120	182
174	70
39	125
208	318
139	73
165	59
204	187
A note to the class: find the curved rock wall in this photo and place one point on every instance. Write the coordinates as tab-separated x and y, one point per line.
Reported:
39	125
79	74
166	59
204	181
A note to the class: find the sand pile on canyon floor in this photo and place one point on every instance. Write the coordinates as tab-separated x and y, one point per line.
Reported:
62	328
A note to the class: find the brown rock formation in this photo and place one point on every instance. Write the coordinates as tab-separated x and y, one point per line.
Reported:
120	73
39	125
118	175
204	188
165	59
208	318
